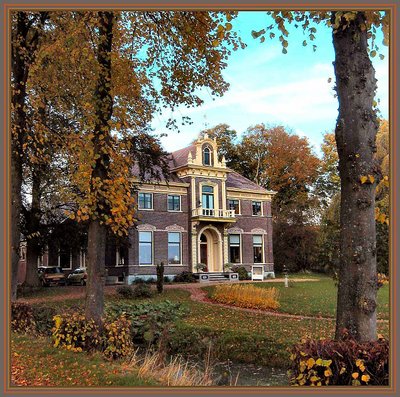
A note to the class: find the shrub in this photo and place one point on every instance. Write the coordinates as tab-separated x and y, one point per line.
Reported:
148	320
185	277
75	333
160	278
117	341
142	291
22	318
43	316
343	362
242	271
125	291
246	296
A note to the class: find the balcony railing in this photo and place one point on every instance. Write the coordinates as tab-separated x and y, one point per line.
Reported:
212	213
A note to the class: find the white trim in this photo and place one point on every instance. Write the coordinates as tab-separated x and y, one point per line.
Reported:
152	201
180	203
70	260
240	204
180	248
262	249
240	248
152	248
82	258
262	208
118	258
219	246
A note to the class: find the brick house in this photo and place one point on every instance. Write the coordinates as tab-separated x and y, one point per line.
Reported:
204	214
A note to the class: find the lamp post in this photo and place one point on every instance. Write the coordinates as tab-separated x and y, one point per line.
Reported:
285	271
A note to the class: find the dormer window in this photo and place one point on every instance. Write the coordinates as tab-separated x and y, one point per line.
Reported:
207	156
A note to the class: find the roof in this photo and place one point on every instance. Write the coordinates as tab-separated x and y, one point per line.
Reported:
180	157
238	181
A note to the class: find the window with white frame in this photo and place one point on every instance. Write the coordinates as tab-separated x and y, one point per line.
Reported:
233	204
65	258
234	248
145	248
174	248
257	209
174	202
145	201
207	197
258	249
119	257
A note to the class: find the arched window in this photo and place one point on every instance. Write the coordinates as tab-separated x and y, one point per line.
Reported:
207	156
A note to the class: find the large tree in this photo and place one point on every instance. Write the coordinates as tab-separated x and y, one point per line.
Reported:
111	72
355	134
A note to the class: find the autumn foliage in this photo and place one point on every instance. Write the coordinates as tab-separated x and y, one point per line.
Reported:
247	296
344	362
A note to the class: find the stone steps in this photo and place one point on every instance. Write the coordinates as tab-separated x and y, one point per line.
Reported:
213	277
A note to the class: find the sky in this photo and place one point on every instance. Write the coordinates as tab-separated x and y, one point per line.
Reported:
267	86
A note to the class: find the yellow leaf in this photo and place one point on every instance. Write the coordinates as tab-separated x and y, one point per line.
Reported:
327	372
371	178
319	361
365	378
359	362
363	179
342	370
310	363
354	375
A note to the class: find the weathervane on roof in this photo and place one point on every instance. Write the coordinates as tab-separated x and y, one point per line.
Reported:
205	122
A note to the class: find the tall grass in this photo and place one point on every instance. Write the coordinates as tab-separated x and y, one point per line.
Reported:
247	296
175	372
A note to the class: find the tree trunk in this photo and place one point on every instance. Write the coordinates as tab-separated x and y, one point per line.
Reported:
355	132
101	137
96	272
33	246
22	56
20	75
16	205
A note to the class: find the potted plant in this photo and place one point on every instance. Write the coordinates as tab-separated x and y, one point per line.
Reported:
228	267
201	267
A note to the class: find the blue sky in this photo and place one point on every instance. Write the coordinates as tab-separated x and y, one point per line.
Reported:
269	87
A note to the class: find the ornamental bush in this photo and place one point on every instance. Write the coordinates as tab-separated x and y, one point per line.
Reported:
148	320
74	332
247	296
242	271
117	341
343	362
185	277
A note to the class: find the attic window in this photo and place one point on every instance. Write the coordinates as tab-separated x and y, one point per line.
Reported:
207	156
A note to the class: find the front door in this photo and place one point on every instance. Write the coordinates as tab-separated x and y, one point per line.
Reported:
204	250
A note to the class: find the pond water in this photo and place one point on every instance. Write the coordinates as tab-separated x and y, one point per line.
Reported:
238	374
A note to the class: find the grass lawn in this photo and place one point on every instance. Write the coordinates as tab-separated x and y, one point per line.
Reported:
35	362
315	298
234	334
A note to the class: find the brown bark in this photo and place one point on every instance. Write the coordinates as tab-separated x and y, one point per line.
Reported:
33	246
355	137
25	40
97	232
19	74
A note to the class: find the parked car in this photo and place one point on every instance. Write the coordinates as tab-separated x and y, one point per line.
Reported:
51	275
78	276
